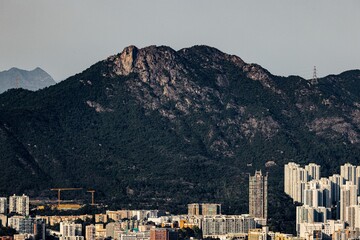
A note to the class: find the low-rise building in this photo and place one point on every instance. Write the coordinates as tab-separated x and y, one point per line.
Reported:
52	220
22	224
310	230
3	220
258	234
6	238
133	235
206	209
163	234
346	234
112	228
90	232
100	231
101	218
222	226
24	237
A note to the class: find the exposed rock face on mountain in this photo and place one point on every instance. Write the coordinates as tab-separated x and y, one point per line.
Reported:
31	80
155	127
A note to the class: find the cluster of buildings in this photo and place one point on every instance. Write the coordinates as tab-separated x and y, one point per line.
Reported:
139	224
320	199
134	224
16	204
330	206
14	213
156	225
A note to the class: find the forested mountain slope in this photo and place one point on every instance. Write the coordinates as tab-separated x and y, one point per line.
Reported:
156	127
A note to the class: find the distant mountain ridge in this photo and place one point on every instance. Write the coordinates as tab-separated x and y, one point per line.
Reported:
154	127
31	80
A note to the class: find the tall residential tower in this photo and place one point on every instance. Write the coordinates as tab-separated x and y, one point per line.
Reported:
19	204
258	195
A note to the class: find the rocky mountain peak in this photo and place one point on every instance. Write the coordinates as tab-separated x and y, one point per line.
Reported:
152	64
211	55
162	64
126	60
18	78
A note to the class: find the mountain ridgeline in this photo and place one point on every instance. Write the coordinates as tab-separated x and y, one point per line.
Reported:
154	127
30	80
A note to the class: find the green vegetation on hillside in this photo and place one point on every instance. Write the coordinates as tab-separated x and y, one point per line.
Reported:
93	131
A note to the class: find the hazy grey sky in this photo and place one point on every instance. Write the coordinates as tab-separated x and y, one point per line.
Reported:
285	36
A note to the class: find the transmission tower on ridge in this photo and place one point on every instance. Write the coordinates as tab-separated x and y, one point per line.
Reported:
17	80
314	79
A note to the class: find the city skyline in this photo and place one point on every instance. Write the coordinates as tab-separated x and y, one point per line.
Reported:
177	120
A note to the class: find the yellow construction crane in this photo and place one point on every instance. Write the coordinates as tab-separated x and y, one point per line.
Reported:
92	197
63	189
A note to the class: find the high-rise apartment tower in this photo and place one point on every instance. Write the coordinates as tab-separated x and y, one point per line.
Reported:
258	195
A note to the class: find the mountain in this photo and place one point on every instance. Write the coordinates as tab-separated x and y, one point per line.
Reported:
155	127
31	80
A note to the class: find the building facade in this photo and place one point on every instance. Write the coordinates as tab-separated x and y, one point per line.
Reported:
348	197
90	232
3	205
163	234
22	224
19	205
230	225
258	195
205	209
70	229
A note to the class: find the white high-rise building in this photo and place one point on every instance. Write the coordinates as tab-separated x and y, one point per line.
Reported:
3	205
357	181
70	230
353	216
313	171
348	172
339	192
299	191
348	197
317	193
301	178
306	214
295	179
313	194
22	224
289	175
325	185
312	214
19	204
336	182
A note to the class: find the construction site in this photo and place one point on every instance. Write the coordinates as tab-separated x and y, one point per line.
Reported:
74	199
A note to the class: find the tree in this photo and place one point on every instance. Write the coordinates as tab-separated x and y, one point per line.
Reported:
7	231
